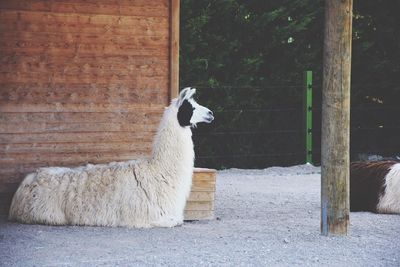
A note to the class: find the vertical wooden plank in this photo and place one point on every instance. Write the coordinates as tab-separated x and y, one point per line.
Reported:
336	117
174	48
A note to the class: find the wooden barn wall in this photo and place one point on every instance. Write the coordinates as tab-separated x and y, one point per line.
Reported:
80	81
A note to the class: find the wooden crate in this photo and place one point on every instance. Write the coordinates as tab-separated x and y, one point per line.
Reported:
200	205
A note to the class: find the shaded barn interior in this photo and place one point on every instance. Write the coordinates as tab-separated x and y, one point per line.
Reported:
81	81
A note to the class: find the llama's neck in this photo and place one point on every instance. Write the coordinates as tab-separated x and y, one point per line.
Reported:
173	146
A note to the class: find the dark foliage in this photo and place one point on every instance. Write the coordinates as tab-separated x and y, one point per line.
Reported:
248	57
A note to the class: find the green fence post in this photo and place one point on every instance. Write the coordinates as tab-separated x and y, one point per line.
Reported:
308	115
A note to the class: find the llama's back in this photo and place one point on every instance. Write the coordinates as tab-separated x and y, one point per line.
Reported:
36	202
77	196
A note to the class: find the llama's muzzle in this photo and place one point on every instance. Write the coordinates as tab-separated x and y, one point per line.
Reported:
210	116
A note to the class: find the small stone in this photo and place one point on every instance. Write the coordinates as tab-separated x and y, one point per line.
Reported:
286	241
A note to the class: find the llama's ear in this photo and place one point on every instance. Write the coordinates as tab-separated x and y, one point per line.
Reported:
185	94
190	93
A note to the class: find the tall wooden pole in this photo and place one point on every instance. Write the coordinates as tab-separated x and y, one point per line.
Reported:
336	117
174	49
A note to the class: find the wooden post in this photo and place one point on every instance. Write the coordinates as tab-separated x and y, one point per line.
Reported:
336	117
174	49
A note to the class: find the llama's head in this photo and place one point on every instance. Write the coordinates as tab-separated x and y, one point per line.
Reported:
189	111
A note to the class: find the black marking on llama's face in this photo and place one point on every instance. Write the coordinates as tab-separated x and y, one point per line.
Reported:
185	113
367	184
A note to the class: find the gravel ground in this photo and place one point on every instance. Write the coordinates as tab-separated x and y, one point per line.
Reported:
265	217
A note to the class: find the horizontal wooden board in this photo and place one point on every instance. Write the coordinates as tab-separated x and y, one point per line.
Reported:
126	2
73	48
147	9
81	117
85	107
128	70
201	196
73	147
48	58
70	159
144	41
76	72
89	94
101	95
203	186
204	176
190	215
122	3
199	205
78	137
63	122
83	19
49	127
99	30
143	82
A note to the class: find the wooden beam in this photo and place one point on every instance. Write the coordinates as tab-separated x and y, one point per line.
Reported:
174	49
336	117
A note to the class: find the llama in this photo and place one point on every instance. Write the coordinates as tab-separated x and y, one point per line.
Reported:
142	193
375	186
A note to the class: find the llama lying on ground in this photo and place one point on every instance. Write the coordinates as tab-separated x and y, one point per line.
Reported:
139	193
375	186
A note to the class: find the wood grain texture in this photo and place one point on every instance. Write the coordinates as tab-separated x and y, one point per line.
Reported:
77	137
174	48
196	215
81	81
121	8
335	134
201	201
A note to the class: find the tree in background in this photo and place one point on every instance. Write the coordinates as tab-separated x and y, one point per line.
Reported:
251	55
249	43
256	43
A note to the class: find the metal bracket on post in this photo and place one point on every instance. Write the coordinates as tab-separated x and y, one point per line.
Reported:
308	115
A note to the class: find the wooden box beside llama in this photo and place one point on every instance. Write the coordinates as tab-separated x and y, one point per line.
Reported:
200	204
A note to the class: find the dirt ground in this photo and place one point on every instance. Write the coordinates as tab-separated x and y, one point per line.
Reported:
265	217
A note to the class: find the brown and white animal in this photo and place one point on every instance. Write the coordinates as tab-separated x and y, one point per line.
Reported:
375	186
146	192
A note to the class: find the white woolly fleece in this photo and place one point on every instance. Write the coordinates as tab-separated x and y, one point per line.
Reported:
139	193
390	200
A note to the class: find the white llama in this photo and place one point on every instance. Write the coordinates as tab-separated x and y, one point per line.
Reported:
138	193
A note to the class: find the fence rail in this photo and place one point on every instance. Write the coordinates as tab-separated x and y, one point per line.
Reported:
275	129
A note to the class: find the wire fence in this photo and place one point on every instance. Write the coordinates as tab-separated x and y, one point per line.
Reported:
254	127
261	127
